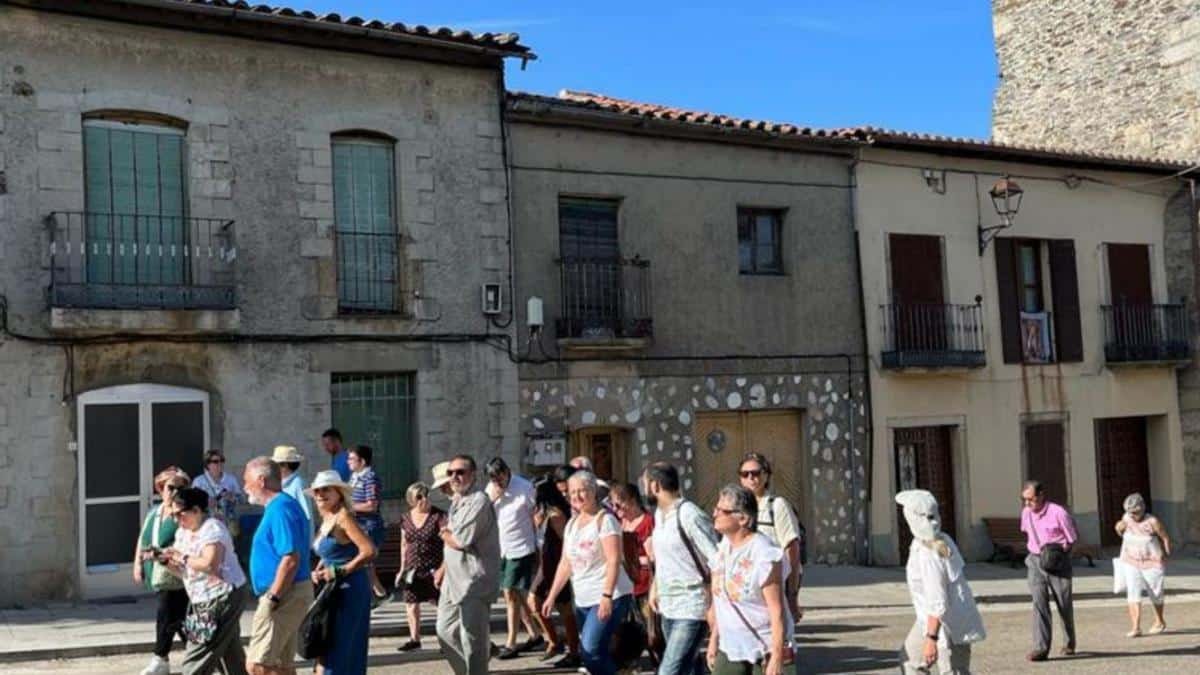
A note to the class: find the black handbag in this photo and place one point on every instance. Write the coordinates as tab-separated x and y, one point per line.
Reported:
314	633
629	639
1053	558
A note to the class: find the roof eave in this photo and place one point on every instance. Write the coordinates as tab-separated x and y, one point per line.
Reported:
244	23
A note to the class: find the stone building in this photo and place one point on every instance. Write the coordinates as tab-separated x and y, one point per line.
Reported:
1118	77
700	295
231	227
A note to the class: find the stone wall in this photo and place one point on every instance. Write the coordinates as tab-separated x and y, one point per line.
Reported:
259	119
1121	77
1106	75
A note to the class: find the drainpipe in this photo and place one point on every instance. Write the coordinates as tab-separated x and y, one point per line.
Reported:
863	556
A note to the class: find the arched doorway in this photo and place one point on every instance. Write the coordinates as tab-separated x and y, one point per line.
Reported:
125	435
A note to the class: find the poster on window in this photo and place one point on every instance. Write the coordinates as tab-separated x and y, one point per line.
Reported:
547	451
1035	337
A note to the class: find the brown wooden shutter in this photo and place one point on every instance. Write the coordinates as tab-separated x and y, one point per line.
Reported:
1006	289
1064	289
1045	459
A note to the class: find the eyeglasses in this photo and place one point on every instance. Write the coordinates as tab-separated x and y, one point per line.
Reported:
174	488
457	472
751	474
216	461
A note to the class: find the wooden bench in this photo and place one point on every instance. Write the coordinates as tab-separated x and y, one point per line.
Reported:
387	562
1008	539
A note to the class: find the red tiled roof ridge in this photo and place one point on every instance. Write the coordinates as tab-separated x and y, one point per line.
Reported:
867	134
506	42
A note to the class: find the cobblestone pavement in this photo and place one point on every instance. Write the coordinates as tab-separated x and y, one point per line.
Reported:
860	642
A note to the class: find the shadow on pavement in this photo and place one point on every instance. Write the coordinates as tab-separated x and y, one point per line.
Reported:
846	659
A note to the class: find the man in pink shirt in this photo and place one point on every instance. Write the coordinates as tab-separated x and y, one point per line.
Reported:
1044	523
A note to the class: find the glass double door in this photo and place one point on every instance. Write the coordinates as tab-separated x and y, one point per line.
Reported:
127	434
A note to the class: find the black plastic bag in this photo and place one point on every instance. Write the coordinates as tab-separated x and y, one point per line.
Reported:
315	630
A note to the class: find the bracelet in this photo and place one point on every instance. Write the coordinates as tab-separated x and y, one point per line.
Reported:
606	595
931	637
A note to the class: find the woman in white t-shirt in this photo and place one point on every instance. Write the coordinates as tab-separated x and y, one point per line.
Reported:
591	561
753	627
204	558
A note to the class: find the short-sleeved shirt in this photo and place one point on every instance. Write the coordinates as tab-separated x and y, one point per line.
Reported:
681	592
777	520
1054	526
224	495
203	586
634	544
514	516
282	531
581	545
475	570
365	486
341	464
738	576
294	486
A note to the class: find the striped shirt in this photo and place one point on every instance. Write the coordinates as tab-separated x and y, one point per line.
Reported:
365	487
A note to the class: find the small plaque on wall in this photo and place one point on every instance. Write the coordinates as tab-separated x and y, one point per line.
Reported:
547	451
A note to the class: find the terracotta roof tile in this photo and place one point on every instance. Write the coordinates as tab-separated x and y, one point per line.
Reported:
503	42
866	135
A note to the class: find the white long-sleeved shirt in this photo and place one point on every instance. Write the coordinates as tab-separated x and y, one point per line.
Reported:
939	588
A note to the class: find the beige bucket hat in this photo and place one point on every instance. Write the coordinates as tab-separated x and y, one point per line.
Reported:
441	475
332	479
286	453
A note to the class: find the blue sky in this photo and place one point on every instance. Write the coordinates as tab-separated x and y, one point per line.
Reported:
918	66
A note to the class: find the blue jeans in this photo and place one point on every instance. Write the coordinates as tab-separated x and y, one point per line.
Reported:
683	640
595	636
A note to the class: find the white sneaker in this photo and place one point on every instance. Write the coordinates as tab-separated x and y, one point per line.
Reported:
158	666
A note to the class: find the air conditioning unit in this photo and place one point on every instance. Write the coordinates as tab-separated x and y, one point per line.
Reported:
493	299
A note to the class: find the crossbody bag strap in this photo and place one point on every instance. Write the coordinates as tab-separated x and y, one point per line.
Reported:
1033	529
705	574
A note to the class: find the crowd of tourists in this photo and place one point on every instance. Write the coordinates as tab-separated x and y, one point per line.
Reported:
597	575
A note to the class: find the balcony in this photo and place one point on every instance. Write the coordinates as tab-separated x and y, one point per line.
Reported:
368	266
932	336
116	261
605	303
1145	334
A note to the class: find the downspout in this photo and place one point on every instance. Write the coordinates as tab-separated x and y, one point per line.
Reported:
864	542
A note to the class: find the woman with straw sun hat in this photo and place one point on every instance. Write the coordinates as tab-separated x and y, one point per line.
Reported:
345	551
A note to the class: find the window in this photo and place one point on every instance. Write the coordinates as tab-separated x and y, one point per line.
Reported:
365	225
759	249
134	200
1033	331
379	410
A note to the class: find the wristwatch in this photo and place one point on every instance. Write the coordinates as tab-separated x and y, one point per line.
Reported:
272	598
931	637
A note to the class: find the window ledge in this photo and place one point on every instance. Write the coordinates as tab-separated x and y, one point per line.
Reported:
89	322
603	344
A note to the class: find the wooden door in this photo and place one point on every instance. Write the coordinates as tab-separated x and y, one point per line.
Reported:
1129	274
1122	468
607	449
924	461
918	309
719	442
1046	459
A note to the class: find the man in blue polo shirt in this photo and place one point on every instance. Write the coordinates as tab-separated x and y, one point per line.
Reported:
279	570
339	456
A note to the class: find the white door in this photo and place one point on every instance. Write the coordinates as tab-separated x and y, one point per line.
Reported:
127	434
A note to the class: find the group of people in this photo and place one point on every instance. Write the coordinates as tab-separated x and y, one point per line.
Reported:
624	568
329	533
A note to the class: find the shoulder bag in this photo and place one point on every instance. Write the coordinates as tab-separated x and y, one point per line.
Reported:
161	578
315	631
1052	558
789	652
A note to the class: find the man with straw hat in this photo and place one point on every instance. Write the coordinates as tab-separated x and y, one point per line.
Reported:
472	571
289	458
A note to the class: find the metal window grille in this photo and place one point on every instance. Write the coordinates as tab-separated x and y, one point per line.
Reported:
379	410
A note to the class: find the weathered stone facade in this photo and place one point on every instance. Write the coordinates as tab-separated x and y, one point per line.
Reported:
1115	77
259	118
679	198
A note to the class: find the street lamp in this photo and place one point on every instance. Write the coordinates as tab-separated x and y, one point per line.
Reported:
1006	197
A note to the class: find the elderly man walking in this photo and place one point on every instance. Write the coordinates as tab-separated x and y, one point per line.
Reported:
1050	533
472	571
513	498
279	570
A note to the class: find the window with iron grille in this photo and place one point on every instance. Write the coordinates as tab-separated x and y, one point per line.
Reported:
760	233
379	410
368	240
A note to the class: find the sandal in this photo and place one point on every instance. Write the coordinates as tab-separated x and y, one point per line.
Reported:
1158	628
552	650
1135	633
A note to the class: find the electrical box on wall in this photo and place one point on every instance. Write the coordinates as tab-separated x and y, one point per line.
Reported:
492	299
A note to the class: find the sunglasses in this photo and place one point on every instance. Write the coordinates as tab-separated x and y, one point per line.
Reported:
216	461
457	472
751	474
728	512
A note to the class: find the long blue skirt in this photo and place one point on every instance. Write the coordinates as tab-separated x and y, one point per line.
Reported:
351	626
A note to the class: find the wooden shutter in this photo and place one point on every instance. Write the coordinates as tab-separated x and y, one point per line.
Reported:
1064	289
1129	275
1006	290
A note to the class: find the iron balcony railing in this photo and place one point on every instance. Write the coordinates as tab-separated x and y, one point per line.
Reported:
1141	333
140	261
605	298
932	336
368	265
